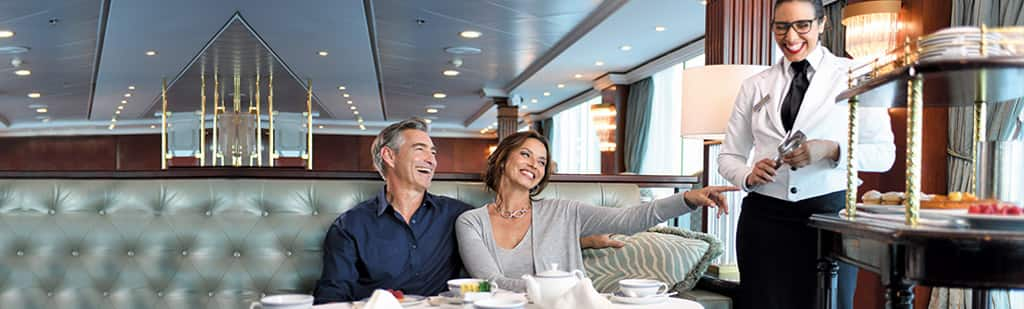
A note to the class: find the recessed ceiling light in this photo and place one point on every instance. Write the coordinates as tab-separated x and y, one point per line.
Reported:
547	94
349	102
320	126
495	124
124	101
355	112
6	34
561	85
450	73
151	53
120	107
23	72
131	87
127	95
111	127
359	119
470	34
428	121
625	48
45	119
322	53
578	76
533	100
42	110
152	126
353	107
345	95
432	110
34	95
117	112
599	63
113	119
362	127
341	88
440	95
483	131
659	28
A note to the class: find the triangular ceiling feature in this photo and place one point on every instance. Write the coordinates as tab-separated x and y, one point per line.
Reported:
237	51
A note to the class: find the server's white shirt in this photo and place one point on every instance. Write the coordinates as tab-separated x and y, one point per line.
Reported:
756	124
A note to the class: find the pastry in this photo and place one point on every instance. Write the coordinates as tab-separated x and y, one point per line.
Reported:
872	197
892	198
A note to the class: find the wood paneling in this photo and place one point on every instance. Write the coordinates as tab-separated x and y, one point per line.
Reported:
79	153
138	152
739	32
342	153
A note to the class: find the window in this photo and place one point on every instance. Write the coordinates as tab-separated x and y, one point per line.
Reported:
663	138
575	146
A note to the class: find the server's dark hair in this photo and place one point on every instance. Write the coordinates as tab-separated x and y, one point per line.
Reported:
819	9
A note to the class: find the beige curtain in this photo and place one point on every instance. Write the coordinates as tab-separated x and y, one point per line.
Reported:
1003	124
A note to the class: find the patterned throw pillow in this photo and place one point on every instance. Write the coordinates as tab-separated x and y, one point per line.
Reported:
674	256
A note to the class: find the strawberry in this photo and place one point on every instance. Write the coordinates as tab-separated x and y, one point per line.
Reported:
397	293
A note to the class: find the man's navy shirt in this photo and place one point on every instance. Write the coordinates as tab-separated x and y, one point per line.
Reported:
372	247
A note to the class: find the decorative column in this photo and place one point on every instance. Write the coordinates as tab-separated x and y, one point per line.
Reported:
614	91
739	32
508	117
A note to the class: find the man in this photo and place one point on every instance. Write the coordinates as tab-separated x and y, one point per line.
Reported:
404	238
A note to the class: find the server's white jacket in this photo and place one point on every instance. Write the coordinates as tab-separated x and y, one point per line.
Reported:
756	123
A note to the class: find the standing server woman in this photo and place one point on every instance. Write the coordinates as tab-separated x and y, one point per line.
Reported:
775	247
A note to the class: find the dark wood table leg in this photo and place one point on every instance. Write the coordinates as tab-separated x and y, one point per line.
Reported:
979	299
899	292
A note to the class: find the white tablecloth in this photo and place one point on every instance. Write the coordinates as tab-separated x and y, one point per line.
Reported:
671	303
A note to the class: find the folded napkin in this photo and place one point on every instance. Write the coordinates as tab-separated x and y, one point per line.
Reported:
382	299
582	296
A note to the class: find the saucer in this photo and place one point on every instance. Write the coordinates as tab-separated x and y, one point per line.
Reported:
408	300
647	300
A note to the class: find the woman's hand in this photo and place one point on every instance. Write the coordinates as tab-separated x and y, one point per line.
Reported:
812	151
709	197
600	241
764	172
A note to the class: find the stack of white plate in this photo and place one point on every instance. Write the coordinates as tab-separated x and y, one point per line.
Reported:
960	43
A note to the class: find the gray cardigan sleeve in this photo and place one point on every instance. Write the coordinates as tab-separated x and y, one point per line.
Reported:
629	220
480	261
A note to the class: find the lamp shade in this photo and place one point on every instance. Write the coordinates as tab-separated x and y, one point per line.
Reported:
709	94
871	27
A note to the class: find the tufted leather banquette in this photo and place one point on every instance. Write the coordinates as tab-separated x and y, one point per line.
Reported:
187	243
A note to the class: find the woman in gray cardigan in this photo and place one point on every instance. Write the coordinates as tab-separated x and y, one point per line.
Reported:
517	235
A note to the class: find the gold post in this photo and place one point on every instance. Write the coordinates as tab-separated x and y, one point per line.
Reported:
851	168
980	106
202	121
309	124
163	126
914	118
216	112
270	114
259	123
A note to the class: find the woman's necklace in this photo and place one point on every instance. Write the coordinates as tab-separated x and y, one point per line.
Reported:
510	214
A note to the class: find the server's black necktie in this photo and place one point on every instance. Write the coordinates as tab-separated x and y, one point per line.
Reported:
797	89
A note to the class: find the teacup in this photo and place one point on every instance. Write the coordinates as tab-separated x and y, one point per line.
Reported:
642	287
284	301
455	285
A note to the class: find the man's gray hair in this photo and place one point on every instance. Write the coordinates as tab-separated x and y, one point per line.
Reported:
391	137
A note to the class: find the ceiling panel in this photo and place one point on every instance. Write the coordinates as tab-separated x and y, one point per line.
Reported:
295	31
515	33
633	24
60	57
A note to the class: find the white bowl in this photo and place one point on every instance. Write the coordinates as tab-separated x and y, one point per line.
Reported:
495	303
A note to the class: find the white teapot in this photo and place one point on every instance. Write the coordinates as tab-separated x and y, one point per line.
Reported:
548	285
